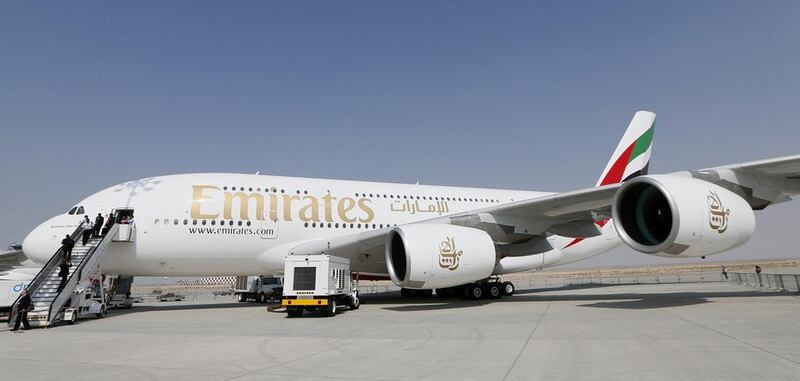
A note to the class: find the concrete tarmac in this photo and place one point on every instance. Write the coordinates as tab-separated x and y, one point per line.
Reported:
711	331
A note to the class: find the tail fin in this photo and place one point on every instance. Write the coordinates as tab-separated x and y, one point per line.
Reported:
632	156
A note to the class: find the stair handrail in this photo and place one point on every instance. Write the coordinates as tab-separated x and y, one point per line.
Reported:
89	257
45	272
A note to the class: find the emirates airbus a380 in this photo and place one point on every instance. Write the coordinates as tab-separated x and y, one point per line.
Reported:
421	236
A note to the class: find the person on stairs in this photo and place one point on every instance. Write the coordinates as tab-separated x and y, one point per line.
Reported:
87	229
23	307
66	245
63	272
109	223
98	224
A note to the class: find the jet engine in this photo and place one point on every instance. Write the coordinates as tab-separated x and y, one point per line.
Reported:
675	216
427	256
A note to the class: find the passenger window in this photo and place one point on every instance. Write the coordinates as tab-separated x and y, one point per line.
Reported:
213	222
194	222
156	221
186	222
175	221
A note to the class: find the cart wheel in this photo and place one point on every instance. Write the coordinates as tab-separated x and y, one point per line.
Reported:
294	312
332	308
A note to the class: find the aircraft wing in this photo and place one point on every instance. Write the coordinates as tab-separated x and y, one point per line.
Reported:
760	182
578	213
569	213
14	265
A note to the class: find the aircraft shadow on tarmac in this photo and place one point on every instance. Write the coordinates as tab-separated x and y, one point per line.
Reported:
628	300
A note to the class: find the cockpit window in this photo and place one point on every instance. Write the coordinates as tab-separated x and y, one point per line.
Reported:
80	210
72	211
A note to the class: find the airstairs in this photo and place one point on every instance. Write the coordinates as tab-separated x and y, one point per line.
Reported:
48	302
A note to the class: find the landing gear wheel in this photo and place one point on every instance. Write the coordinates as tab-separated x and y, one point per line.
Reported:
508	288
408	293
474	291
332	308
294	312
494	290
424	293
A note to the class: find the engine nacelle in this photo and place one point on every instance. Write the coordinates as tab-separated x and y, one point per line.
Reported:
675	216
427	256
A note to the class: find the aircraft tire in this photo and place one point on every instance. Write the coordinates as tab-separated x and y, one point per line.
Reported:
494	290
508	288
475	291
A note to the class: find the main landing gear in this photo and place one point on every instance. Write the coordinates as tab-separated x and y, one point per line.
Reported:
491	288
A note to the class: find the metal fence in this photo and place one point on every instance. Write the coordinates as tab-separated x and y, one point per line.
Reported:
553	282
780	282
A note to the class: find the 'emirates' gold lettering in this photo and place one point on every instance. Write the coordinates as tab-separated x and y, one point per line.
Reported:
258	206
198	199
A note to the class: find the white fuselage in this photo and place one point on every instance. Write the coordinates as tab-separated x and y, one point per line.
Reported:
237	224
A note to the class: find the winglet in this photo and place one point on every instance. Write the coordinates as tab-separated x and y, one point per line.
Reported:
632	156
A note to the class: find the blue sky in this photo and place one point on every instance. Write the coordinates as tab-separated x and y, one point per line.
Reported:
528	95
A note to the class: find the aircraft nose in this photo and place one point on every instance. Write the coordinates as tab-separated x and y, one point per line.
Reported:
41	243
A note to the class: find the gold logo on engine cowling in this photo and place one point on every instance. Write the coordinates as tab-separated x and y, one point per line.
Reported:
449	256
717	213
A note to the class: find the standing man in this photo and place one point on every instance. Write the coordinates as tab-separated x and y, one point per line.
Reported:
63	272
758	275
87	229
725	272
23	307
98	224
109	223
66	245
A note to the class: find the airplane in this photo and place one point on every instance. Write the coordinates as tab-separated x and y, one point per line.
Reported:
422	237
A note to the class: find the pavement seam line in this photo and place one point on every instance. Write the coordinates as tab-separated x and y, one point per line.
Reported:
733	338
530	336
